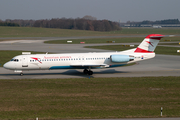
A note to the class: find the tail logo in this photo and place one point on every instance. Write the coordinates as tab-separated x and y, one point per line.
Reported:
150	43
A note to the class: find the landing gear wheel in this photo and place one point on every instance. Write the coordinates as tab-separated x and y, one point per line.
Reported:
90	72
85	71
21	74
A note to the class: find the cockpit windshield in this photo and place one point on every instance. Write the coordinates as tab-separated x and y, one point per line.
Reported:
15	60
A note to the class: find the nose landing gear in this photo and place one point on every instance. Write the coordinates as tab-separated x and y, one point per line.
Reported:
21	74
19	71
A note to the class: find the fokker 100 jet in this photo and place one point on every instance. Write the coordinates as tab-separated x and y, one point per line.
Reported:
86	61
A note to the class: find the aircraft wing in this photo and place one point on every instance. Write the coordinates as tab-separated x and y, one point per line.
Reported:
89	65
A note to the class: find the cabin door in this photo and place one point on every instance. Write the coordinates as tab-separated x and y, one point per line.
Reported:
24	61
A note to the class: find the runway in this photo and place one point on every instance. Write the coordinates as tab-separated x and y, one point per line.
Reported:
161	65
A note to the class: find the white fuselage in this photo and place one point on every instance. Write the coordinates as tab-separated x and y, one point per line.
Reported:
86	61
71	61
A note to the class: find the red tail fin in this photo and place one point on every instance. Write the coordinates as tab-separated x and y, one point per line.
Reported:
149	44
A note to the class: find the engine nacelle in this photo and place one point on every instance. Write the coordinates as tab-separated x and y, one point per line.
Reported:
121	58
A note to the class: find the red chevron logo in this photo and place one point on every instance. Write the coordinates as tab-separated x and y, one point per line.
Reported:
150	43
36	59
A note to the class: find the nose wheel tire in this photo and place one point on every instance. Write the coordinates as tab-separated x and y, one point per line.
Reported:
21	74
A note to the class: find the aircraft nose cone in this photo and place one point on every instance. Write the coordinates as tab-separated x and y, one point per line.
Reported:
7	66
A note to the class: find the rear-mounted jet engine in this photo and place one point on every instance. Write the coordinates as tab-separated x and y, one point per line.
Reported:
121	58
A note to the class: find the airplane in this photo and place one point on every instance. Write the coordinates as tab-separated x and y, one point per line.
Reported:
157	26
86	61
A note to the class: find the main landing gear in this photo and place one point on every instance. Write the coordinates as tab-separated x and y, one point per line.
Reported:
89	72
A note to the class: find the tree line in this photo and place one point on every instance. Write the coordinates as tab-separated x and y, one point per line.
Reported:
8	24
168	21
85	23
79	24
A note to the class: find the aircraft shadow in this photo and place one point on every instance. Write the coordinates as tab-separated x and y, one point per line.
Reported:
110	71
68	72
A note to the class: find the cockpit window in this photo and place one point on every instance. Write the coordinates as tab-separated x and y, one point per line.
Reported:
15	60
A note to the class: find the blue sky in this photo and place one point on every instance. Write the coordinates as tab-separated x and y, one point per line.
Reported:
114	10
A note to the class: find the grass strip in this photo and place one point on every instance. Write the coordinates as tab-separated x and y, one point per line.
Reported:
107	40
44	32
89	98
50	32
177	43
96	40
147	31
